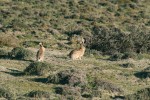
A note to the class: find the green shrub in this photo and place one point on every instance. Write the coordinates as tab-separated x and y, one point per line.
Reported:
143	74
104	85
116	56
72	77
86	95
94	53
6	94
128	55
110	39
20	53
140	56
127	65
3	53
38	68
139	95
38	94
147	69
68	90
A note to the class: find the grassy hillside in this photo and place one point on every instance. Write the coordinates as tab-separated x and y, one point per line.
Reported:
116	62
59	19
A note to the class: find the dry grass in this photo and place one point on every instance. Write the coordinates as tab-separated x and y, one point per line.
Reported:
8	40
28	22
103	69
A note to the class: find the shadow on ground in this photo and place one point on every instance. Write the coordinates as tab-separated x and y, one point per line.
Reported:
41	80
14	72
142	75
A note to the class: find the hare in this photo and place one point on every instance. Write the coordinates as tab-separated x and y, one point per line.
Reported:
40	53
78	53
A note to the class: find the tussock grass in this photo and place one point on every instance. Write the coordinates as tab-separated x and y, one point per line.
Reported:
38	94
20	53
141	94
72	77
3	53
6	94
119	28
143	74
38	68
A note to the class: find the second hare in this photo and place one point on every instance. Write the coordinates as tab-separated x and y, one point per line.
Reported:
78	53
40	53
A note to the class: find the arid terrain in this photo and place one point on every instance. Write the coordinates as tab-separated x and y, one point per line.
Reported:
115	65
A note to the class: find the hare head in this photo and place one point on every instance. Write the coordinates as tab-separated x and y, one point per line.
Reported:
40	44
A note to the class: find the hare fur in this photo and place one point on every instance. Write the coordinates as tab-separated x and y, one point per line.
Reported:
77	53
40	53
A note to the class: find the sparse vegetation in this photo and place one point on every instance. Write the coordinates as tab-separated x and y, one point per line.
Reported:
141	94
127	65
101	84
115	64
38	94
128	55
144	73
116	56
8	40
72	77
6	94
20	53
68	90
112	39
3	53
38	68
125	55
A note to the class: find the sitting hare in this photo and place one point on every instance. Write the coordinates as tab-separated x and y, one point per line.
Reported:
78	53
40	53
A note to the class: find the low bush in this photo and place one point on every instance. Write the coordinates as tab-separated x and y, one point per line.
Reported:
38	68
127	65
68	90
88	91
92	52
86	95
139	95
20	53
119	56
38	94
3	53
73	77
128	55
143	74
112	39
6	94
116	57
104	85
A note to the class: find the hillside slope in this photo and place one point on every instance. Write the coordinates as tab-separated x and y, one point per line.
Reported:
116	62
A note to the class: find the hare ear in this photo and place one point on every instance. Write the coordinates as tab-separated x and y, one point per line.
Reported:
42	43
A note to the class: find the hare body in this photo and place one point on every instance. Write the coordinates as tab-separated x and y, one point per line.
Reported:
40	53
77	53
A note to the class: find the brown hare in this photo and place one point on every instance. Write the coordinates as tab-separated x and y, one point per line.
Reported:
78	53
40	53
